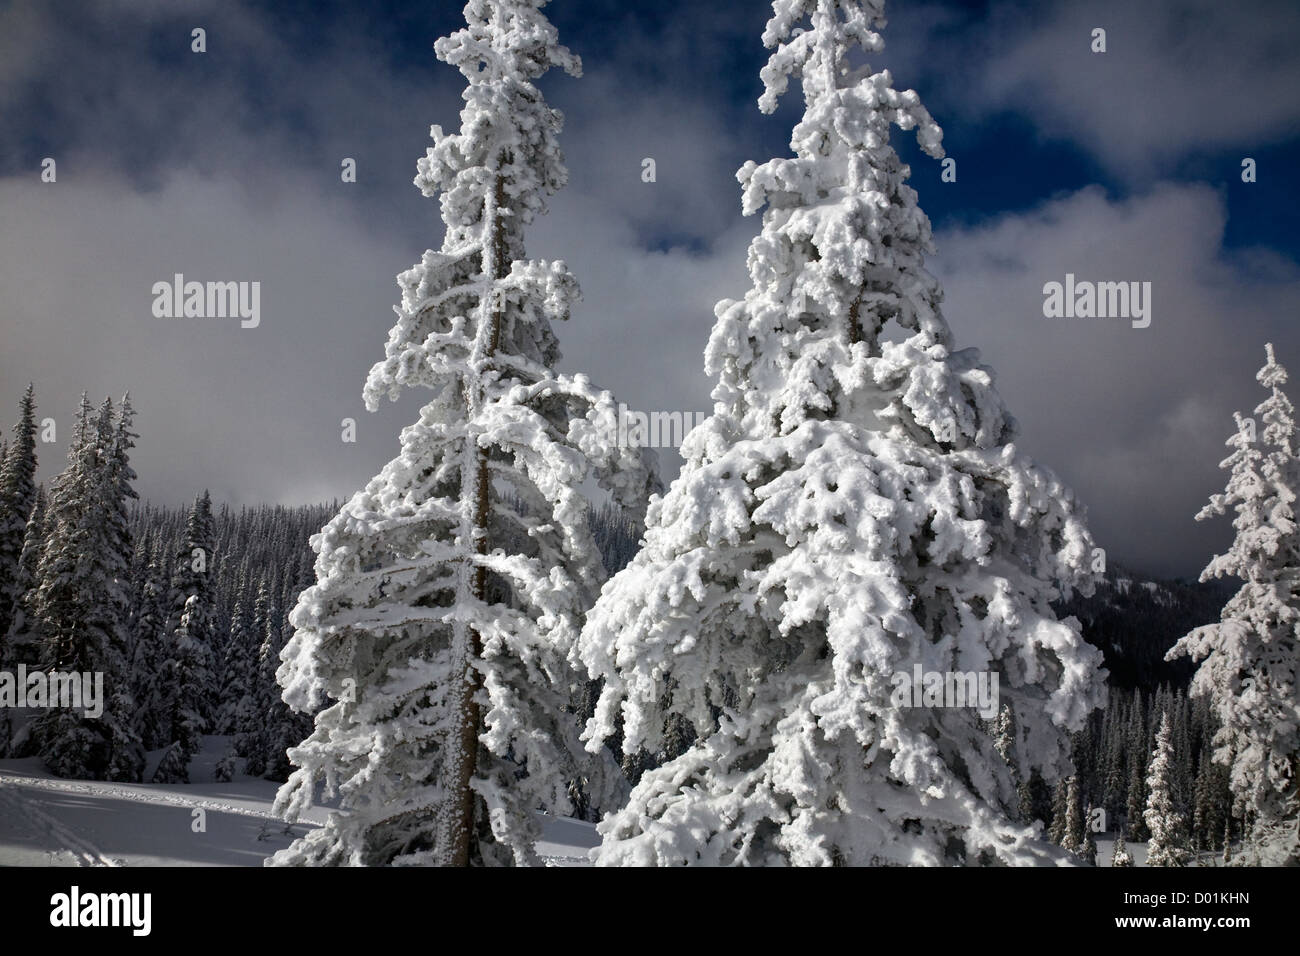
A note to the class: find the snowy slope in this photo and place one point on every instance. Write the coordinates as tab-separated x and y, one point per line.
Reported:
49	822
45	821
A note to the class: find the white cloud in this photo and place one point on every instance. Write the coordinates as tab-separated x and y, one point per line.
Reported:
1134	418
1177	76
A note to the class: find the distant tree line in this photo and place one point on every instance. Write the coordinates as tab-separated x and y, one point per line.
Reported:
183	610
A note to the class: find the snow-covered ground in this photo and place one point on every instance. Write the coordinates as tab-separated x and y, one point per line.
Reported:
1106	847
45	821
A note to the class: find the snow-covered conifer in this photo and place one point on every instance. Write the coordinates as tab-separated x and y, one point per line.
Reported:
239	666
81	600
250	741
19	645
17	497
152	645
192	577
1113	783
1075	837
114	492
1138	747
1212	801
1026	810
853	508
1250	660
1060	822
442	653
1088	852
186	677
1168	843
23	636
1120	855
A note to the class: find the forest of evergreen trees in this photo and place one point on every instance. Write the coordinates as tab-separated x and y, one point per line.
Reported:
186	610
182	610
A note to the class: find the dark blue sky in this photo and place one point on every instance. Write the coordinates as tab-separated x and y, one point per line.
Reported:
225	165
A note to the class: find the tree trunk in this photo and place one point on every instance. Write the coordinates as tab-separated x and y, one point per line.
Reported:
462	829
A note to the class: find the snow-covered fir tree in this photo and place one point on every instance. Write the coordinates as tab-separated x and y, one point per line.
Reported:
150	655
1211	802
1088	851
1075	837
853	508
1138	749
1168	843
17	497
1026	809
107	560
1120	856
185	677
250	740
192	577
80	600
184	693
115	492
238	672
1250	659
19	644
239	662
1113	785
449	592
1060	824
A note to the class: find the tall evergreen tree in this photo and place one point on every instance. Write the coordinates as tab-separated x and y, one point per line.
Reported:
239	667
1212	801
445	649
80	600
1075	838
251	738
21	640
1136	799
1060	824
59	603
186	677
1184	779
1026	805
151	655
192	577
115	491
186	685
1114	785
1168	843
17	497
1250	660
854	508
1088	851
19	645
